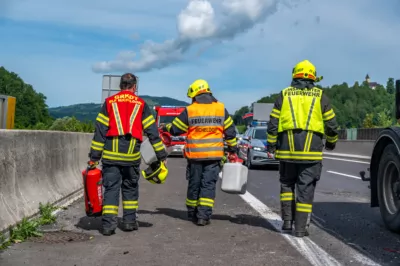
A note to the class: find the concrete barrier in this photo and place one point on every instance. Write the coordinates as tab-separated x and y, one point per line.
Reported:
355	147
45	166
38	166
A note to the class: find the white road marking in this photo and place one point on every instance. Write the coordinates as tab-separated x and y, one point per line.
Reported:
309	249
346	160
348	155
337	173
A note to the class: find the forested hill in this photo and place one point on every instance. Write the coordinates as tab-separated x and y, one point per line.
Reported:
365	104
32	111
31	106
89	111
362	105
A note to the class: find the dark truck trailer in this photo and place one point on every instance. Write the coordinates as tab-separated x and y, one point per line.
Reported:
385	172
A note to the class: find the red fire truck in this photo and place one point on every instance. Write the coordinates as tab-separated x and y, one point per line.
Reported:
166	114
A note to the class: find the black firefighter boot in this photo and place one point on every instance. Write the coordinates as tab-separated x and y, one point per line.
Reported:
288	212
203	222
287	225
302	223
129	226
108	232
191	216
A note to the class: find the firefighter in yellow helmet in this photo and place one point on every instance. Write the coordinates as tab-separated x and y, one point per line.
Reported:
207	123
301	116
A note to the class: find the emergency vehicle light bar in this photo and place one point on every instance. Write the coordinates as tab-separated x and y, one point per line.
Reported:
170	106
259	123
167	106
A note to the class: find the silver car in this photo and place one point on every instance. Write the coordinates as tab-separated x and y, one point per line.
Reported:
253	147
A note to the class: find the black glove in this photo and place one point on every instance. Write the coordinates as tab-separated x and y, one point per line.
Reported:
271	149
166	127
330	146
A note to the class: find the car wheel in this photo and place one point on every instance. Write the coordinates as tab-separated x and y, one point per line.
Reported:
389	188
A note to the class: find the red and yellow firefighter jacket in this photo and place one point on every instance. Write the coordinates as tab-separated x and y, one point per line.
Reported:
120	125
300	118
207	123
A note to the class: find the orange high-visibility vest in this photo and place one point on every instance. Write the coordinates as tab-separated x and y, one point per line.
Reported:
205	132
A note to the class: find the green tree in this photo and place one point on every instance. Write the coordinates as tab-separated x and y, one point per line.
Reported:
31	106
383	119
237	117
71	124
358	105
368	121
390	86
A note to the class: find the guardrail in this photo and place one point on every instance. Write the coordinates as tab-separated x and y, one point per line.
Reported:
353	148
359	133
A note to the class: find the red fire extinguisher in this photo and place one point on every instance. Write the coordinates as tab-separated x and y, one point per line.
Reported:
93	191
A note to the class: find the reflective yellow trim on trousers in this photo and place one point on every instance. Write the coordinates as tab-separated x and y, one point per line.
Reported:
110	209
299	155
303	207
191	203
130	204
287	196
206	202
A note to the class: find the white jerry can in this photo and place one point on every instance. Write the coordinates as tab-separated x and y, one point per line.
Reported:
147	152
234	178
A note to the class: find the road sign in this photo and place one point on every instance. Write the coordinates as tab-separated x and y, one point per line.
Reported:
110	86
7	111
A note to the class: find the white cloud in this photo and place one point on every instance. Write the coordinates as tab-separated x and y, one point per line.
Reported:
243	55
197	22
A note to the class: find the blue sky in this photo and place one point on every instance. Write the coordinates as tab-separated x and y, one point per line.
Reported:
245	49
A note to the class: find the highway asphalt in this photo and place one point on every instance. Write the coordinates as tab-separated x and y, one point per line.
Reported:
344	231
343	223
237	235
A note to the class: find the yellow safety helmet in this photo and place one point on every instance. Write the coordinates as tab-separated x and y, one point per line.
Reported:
306	70
198	87
156	173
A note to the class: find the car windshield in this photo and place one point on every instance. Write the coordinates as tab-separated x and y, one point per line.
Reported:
166	119
260	134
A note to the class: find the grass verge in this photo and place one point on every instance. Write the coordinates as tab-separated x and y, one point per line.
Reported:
29	227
